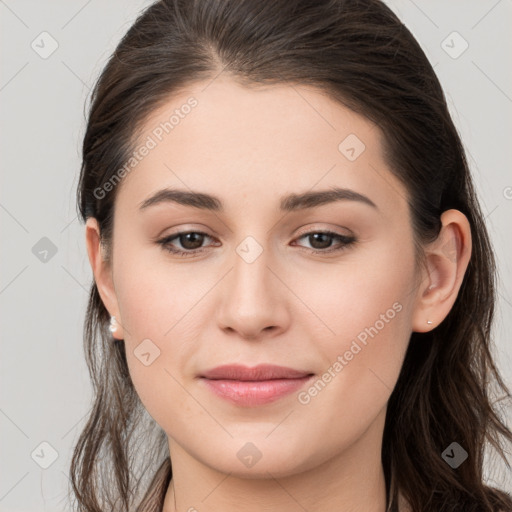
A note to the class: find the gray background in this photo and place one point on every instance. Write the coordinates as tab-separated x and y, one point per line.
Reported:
45	388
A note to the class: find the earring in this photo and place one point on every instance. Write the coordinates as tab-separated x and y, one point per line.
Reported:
429	322
113	324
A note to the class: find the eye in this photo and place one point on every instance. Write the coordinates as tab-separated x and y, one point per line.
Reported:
321	241
192	241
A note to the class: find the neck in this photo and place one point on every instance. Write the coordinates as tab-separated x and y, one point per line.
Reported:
350	481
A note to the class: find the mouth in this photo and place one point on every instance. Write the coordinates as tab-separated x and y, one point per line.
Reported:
259	385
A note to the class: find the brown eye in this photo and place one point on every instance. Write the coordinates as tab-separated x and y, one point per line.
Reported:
321	241
191	242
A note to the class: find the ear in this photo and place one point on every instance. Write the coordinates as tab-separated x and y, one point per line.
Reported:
102	273
447	260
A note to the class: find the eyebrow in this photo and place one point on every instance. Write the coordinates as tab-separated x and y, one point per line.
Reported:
288	203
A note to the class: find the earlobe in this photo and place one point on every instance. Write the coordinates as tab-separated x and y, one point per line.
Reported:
102	273
447	259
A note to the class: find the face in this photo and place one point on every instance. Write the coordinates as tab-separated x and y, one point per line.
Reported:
261	284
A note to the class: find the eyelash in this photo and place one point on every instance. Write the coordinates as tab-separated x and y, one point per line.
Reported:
346	242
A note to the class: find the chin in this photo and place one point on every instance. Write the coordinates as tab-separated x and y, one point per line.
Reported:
257	458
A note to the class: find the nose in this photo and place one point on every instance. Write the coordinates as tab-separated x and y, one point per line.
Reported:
253	299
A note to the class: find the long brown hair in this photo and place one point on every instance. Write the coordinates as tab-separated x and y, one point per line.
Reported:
359	53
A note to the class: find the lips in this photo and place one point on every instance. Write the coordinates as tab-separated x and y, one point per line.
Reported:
260	372
259	385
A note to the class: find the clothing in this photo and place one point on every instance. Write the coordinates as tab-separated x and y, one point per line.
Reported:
153	500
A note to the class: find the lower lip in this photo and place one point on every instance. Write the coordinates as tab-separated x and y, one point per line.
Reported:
249	393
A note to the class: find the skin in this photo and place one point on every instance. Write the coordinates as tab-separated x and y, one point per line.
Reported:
290	307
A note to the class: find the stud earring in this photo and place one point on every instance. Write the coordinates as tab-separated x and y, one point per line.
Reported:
429	322
113	324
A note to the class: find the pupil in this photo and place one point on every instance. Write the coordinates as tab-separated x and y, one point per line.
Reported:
326	240
195	244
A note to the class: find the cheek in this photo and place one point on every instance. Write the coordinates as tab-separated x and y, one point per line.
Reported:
154	295
363	310
347	297
159	310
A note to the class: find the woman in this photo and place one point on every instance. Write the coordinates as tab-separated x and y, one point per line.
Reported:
293	282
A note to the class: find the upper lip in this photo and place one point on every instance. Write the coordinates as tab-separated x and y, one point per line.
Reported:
260	372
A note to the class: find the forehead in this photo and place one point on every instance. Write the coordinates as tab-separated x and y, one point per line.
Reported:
258	142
